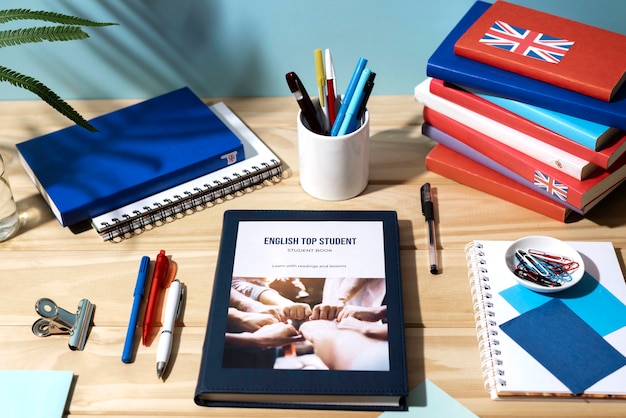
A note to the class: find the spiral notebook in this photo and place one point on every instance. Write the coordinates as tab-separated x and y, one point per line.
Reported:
261	166
567	344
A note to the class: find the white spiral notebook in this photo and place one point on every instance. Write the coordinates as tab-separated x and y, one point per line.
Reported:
565	344
260	166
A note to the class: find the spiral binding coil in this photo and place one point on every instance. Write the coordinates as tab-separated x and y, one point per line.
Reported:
190	202
486	325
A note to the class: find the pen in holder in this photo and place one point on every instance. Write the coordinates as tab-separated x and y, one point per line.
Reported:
333	167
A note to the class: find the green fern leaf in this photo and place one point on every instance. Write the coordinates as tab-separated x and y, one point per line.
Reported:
47	95
40	34
27	14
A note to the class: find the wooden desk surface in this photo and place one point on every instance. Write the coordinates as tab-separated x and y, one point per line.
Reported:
45	260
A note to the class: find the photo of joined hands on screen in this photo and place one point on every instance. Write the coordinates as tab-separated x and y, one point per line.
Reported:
307	323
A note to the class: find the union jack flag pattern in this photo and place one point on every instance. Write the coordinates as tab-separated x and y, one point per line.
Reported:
526	42
550	185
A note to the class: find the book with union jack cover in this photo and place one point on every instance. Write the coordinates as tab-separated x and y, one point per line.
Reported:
581	194
475	164
467	166
456	166
445	65
549	48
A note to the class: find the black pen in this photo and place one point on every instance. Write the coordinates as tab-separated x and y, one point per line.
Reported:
428	211
304	101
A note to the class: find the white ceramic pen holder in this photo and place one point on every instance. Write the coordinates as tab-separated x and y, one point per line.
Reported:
334	167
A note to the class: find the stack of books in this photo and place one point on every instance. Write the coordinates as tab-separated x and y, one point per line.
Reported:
528	106
149	164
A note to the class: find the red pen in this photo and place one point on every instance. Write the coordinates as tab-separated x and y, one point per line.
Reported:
161	267
331	89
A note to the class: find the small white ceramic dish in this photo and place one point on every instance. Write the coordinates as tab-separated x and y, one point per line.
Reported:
544	264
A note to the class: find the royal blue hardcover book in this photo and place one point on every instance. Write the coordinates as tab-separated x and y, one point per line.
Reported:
446	65
139	150
306	312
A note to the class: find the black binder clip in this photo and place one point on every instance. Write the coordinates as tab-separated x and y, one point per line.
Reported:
56	320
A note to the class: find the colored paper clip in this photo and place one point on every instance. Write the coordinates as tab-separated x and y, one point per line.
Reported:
557	258
558	261
532	263
524	274
56	320
535	265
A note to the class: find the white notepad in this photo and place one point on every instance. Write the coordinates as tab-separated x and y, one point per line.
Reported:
597	305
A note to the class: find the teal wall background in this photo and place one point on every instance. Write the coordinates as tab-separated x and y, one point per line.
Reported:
224	48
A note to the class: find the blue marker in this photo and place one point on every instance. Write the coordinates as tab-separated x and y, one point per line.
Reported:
355	103
134	314
347	97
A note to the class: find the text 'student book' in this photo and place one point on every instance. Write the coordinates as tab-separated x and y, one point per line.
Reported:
568	344
445	65
331	335
139	150
549	48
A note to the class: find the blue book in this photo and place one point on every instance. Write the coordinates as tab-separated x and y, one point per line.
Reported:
445	65
139	150
587	133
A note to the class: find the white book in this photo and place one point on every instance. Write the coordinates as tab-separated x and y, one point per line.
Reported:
567	163
260	165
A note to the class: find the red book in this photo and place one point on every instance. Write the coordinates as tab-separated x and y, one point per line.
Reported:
457	167
549	48
603	158
578	193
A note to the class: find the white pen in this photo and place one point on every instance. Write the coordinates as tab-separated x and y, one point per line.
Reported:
173	307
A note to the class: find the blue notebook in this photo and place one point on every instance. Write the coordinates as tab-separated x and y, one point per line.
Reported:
445	65
139	150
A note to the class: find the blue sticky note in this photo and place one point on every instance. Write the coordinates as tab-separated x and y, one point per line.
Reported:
591	301
34	393
427	400
565	345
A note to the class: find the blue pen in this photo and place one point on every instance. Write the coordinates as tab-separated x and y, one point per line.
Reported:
134	314
355	103
356	75
367	91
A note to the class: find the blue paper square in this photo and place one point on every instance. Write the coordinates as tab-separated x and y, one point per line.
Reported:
591	301
565	345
